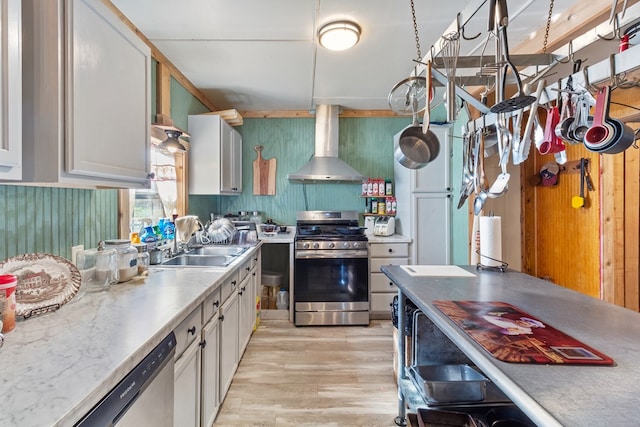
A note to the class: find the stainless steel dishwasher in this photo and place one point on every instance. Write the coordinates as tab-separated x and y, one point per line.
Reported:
144	397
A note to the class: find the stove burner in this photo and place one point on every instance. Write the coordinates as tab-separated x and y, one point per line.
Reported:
350	231
309	230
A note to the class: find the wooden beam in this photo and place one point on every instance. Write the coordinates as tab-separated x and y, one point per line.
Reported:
159	56
163	90
577	20
284	114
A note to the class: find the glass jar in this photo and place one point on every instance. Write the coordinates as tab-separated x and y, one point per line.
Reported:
8	284
98	268
127	258
256	217
143	259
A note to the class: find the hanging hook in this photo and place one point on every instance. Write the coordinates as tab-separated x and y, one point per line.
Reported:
615	34
587	84
619	80
571	57
461	28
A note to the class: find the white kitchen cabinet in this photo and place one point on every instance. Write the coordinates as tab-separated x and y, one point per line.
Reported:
186	393
187	370
11	90
424	204
210	371
86	96
382	289
215	159
246	315
229	331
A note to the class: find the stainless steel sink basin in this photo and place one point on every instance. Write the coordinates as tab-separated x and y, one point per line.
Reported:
190	260
233	251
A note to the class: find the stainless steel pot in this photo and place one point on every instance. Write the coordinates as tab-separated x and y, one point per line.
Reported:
416	149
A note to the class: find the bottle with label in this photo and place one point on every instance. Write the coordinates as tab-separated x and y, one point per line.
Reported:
282	303
393	205
388	189
374	205
364	187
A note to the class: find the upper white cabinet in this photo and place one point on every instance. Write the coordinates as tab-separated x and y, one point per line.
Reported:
215	156
87	96
10	90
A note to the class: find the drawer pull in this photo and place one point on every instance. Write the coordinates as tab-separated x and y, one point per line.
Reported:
221	317
192	330
216	303
233	283
390	250
253	274
391	284
247	268
203	344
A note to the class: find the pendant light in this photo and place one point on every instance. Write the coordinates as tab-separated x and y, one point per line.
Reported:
172	144
339	35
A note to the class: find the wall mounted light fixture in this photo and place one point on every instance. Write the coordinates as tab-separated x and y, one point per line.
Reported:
339	35
172	144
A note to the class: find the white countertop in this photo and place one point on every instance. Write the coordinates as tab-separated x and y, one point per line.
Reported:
394	238
57	366
279	237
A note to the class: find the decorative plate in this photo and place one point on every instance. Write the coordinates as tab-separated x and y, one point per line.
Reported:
45	282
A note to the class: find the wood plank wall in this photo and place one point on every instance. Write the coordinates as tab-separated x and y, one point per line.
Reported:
595	249
51	220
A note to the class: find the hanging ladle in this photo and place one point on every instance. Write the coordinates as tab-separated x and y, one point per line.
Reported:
520	100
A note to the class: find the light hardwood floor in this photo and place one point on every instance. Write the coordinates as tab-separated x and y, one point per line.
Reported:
314	376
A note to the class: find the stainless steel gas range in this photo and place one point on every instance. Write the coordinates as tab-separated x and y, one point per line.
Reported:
331	269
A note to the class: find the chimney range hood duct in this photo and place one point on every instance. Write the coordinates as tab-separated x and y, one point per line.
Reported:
325	164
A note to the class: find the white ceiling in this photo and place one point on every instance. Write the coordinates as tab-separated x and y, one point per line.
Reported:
262	54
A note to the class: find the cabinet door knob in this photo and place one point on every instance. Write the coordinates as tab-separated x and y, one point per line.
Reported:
221	317
216	303
247	268
253	274
391	284
233	283
203	344
390	250
192	330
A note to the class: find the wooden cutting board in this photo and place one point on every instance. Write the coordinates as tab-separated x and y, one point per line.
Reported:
264	174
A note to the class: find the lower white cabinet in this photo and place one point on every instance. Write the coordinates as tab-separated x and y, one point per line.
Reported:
210	371
186	387
207	356
229	329
382	289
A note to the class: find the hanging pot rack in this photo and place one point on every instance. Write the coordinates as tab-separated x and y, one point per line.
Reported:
606	70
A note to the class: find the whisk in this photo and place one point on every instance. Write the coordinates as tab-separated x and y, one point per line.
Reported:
450	52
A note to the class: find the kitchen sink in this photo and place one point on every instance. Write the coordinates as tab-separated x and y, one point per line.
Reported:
192	260
233	251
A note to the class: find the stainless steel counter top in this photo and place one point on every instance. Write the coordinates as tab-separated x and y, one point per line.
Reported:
550	395
57	366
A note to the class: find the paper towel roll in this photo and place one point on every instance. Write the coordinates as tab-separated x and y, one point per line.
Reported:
490	241
474	258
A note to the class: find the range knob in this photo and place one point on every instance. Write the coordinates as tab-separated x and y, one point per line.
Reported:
316	245
305	246
345	245
332	245
356	245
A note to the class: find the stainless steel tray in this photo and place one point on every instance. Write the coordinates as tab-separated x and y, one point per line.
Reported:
455	383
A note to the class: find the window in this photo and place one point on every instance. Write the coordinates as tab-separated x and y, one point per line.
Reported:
147	207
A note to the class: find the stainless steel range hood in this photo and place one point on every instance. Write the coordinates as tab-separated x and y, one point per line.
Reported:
325	164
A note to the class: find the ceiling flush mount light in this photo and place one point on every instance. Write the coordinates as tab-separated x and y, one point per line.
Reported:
339	35
172	144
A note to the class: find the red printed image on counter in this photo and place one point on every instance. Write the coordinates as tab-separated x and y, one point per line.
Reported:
511	335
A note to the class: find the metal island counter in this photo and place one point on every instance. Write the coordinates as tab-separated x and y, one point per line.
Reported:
549	394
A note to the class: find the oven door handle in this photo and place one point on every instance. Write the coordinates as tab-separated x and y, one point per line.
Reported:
315	254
